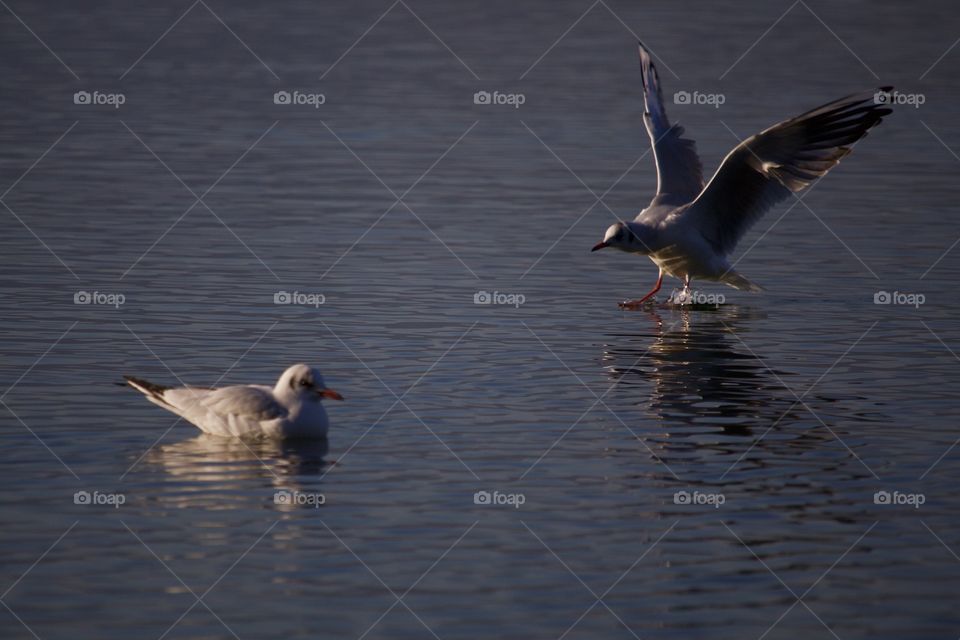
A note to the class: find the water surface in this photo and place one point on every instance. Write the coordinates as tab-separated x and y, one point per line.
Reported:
399	199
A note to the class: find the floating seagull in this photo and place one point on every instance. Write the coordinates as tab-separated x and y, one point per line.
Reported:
291	409
689	229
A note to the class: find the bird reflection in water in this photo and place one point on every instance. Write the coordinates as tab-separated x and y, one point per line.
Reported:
213	469
719	411
701	373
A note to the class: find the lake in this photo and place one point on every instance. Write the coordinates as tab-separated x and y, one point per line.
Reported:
207	193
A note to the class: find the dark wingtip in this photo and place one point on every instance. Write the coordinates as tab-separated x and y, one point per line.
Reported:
644	52
155	389
646	62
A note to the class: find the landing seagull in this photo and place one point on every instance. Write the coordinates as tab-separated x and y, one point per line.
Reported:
689	229
291	409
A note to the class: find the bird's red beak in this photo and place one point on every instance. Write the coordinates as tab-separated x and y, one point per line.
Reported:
599	245
329	393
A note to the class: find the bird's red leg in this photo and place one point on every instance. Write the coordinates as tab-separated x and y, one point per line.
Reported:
635	304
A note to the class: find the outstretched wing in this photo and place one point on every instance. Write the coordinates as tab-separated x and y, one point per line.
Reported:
766	168
679	174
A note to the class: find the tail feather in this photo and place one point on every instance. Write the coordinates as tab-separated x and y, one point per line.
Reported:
147	388
737	281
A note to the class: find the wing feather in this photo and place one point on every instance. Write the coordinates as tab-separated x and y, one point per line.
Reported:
679	172
244	402
765	169
236	410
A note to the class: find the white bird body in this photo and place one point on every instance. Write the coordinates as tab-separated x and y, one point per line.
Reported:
690	228
290	409
678	253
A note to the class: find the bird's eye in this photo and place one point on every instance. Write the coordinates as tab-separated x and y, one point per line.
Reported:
304	383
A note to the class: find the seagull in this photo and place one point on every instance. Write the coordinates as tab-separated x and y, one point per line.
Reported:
689	229
291	409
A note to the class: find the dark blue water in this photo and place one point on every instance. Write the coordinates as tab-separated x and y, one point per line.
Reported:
669	473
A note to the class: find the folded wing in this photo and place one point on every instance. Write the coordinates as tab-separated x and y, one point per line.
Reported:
236	410
679	174
248	401
766	168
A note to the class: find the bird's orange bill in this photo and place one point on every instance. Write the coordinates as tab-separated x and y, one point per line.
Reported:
329	393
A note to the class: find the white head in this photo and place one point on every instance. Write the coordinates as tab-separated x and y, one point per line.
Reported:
623	236
305	382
